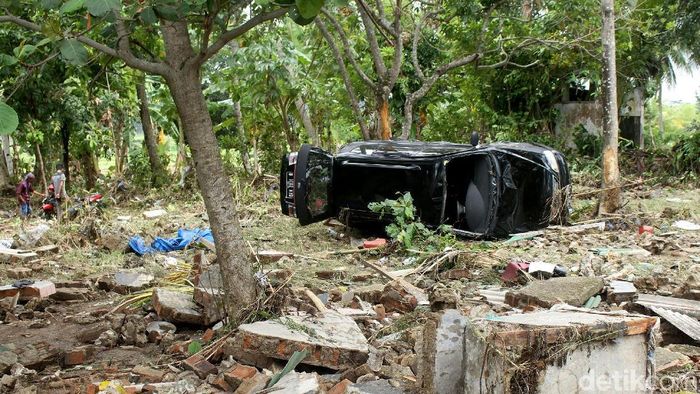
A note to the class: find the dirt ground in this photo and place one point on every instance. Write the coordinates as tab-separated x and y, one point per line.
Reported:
324	259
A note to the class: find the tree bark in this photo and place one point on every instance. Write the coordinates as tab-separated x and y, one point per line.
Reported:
661	110
6	149
384	117
234	260
303	110
65	141
148	136
610	197
41	168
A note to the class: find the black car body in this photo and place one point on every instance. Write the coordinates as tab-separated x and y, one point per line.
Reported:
481	191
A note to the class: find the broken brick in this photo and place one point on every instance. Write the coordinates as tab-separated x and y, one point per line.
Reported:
220	383
78	356
253	384
340	388
39	289
148	374
208	335
572	290
456	273
396	299
200	366
239	374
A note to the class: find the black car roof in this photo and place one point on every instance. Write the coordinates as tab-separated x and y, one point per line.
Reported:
397	149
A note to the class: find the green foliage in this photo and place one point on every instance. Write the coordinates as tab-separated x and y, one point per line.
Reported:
73	52
686	152
194	347
139	171
407	228
8	119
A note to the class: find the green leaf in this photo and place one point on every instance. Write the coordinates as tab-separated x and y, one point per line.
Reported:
298	19
167	12
308	9
8	119
102	7
194	347
24	50
7	60
296	358
73	52
72	6
148	16
50	4
43	42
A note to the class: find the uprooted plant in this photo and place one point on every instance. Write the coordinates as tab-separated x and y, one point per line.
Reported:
406	227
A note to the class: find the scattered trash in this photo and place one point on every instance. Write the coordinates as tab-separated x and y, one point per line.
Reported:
154	213
183	239
686	225
375	243
646	229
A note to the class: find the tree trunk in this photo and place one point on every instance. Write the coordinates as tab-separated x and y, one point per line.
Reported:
65	141
661	110
148	136
6	150
292	137
610	197
5	181
384	118
306	120
87	160
231	249
41	168
245	157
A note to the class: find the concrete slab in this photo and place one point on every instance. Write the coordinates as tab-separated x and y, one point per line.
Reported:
176	307
298	383
572	290
333	340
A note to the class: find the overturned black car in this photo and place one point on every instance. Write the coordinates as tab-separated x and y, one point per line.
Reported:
480	191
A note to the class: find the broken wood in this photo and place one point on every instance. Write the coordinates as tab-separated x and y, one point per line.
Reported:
316	301
420	295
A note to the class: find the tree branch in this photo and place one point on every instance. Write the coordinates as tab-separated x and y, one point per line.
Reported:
378	20
129	59
379	65
229	35
398	48
348	50
346	77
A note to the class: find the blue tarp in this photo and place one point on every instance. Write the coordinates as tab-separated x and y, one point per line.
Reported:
184	238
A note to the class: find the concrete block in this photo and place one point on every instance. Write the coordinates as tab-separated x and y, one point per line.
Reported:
572	290
333	340
176	307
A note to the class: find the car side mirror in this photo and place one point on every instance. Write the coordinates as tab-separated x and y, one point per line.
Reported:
474	140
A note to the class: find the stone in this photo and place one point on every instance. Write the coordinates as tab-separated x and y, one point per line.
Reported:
37	355
381	386
363	276
395	298
176	307
210	277
8	381
336	273
200	366
155	330
19	273
267	256
670	361
456	273
113	242
70	294
7	358
148	374
239	374
78	355
154	213
211	301
298	383
133	331
334	341
90	334
39	289
220	383
619	291
572	290
125	282
689	350
380	311
371	293
108	339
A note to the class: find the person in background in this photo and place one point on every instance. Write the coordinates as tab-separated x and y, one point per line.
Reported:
58	180
24	191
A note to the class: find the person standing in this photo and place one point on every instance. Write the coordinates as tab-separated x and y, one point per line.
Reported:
24	191
58	180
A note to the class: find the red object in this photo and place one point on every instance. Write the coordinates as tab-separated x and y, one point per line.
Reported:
646	229
375	243
513	270
95	197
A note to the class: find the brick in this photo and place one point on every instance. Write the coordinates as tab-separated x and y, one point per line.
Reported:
396	299
78	356
179	347
456	273
253	384
340	388
70	293
39	289
200	366
220	383
239	374
148	374
208	335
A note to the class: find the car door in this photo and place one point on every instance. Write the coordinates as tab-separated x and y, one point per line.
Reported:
313	185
